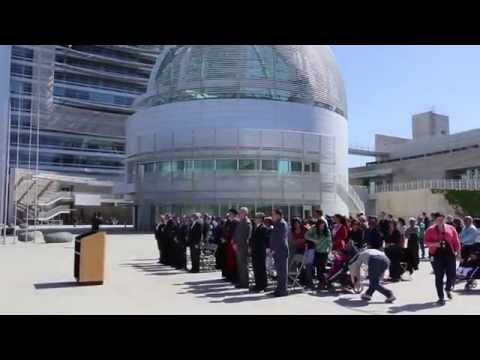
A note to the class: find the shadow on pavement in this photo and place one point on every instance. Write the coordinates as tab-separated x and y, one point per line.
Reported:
153	268
355	303
411	307
220	291
56	285
463	292
205	282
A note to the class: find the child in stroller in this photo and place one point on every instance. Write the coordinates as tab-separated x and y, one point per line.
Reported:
339	272
469	269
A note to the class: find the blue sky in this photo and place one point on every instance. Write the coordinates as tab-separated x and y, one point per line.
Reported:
387	84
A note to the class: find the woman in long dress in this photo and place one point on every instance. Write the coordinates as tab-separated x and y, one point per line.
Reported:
230	268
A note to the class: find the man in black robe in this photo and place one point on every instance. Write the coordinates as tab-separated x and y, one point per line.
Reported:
259	242
159	230
170	232
194	239
181	254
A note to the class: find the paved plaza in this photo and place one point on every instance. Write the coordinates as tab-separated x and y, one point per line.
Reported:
38	279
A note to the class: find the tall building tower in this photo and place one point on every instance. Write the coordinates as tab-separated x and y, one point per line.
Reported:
68	109
255	125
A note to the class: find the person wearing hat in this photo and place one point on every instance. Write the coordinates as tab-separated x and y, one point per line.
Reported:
412	234
443	244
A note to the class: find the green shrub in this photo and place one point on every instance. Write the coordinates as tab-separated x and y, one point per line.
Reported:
464	202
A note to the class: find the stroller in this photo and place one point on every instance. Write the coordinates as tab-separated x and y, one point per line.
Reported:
469	269
338	271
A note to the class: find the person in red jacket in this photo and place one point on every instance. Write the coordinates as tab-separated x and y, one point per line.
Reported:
340	233
443	244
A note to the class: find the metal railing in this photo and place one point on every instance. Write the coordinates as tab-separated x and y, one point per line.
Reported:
351	198
356	199
441	184
47	215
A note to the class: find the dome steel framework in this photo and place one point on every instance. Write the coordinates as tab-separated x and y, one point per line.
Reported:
291	73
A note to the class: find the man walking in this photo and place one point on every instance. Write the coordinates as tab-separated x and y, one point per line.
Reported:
443	244
412	234
421	234
279	247
241	237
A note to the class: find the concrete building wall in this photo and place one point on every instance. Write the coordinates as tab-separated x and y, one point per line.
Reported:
384	143
5	51
411	203
437	166
429	124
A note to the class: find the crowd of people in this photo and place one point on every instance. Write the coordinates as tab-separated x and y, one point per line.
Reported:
383	243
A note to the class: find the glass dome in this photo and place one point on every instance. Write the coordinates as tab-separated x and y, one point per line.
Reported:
294	73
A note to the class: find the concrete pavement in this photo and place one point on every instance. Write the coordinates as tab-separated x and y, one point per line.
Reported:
38	279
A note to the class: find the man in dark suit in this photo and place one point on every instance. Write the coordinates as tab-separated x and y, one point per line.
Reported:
194	239
97	220
159	228
169	233
279	247
259	244
182	233
241	237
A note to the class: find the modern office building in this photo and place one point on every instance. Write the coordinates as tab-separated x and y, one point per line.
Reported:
254	125
68	106
406	170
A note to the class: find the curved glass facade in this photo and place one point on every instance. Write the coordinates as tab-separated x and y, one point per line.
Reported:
284	73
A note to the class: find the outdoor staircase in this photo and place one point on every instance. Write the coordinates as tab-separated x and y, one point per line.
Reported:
351	199
40	198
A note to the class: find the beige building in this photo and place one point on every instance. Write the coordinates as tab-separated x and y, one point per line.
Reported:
405	171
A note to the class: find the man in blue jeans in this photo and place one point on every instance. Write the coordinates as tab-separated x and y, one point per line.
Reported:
377	263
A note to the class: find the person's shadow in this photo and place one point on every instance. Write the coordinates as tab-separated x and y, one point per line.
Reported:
411	307
355	303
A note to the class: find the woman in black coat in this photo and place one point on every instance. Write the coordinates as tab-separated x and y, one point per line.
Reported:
259	244
394	251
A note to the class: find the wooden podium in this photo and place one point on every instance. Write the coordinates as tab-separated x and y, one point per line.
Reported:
89	264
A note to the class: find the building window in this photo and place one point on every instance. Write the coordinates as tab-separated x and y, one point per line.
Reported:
247	164
182	166
270	165
312	166
164	167
283	166
204	165
226	165
148	168
295	166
